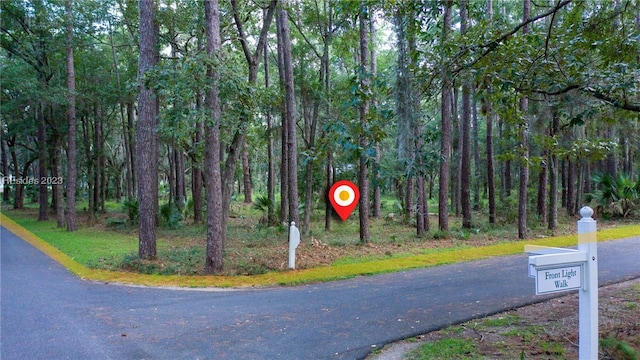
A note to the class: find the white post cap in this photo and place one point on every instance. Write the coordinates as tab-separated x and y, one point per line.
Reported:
586	212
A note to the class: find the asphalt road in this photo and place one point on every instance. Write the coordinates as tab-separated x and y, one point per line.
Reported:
47	313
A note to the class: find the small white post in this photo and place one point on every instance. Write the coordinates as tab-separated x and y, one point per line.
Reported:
294	241
588	313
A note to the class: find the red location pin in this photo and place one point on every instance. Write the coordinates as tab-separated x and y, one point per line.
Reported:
344	196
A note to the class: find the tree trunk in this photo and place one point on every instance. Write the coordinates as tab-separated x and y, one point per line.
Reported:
329	182
422	218
132	145
541	208
524	138
571	175
445	141
43	193
57	186
408	201
476	152
213	177
147	165
465	155
456	126
376	159
491	185
246	174
363	170
98	143
553	172
270	155
5	168
290	114
90	168
196	170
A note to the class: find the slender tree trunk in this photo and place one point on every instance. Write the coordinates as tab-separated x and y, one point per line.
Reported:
131	126
147	164
90	167
71	123
6	190
363	170
476	152
553	172
196	163
524	138
57	186
213	177
270	155
491	186
465	168
376	159
408	201
541	208
290	115
246	174
422	218
180	178
43	193
329	182
445	141
100	180
324	65
284	135
456	126
196	172
571	175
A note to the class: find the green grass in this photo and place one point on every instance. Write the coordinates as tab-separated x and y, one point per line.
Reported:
445	349
527	334
618	349
84	245
88	250
507	320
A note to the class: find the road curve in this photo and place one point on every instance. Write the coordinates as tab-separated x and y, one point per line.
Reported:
47	313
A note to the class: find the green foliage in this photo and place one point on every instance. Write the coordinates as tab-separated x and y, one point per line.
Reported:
130	207
618	349
178	261
507	320
445	349
170	215
615	196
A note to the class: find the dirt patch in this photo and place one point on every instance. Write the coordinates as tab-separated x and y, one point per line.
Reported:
548	330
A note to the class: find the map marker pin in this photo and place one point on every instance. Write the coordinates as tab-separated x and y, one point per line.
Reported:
344	196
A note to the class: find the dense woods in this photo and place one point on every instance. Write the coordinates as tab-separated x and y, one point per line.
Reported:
155	103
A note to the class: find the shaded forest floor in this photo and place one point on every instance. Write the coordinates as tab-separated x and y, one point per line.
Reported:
254	248
547	330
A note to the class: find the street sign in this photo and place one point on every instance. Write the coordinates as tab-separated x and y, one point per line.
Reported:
557	279
558	269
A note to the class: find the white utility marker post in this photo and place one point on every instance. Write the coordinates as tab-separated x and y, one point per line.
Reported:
588	314
294	241
559	269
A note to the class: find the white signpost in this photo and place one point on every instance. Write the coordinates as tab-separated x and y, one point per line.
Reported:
559	269
294	241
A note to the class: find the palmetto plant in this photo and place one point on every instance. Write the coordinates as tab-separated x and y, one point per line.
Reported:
617	196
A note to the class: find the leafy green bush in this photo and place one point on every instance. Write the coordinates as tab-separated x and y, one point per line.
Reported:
170	216
615	196
131	208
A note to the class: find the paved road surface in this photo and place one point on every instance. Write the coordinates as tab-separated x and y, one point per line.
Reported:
47	313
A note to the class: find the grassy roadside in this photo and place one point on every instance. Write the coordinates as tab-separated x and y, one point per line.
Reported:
547	330
43	236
